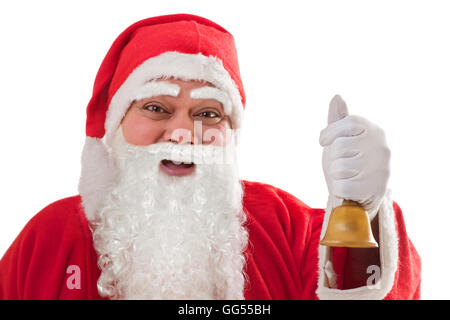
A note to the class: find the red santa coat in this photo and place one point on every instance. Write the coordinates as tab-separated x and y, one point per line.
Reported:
282	256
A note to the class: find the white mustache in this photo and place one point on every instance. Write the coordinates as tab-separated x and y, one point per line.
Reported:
178	153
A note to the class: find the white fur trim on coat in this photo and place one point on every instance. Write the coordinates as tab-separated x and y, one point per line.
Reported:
178	65
388	242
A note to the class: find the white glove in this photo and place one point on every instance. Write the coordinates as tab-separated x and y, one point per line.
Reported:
355	158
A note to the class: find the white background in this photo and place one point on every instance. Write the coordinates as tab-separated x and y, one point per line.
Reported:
390	60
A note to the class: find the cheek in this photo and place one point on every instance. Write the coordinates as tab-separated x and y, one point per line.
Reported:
140	130
216	135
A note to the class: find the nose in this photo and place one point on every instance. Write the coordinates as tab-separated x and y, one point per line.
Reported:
180	129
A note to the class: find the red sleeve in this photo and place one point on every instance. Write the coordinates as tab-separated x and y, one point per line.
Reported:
406	281
36	264
297	228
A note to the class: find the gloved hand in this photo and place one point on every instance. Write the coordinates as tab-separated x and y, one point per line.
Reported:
355	158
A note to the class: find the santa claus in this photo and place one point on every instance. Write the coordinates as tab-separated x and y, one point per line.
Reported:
162	213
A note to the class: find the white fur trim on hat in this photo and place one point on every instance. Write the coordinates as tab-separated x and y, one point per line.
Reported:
388	242
178	65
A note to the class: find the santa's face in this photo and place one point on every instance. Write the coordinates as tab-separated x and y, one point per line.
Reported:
173	226
183	112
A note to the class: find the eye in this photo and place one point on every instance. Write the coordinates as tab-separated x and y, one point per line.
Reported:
154	108
209	117
208	114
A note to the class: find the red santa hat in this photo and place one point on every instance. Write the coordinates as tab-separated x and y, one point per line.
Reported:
181	46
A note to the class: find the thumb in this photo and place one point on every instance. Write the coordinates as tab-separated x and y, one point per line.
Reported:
338	109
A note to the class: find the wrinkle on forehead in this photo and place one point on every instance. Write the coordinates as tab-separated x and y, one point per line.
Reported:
208	92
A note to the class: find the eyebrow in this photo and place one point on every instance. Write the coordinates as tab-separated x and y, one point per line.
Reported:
213	93
156	88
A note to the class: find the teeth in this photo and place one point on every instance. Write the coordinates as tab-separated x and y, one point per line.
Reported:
179	162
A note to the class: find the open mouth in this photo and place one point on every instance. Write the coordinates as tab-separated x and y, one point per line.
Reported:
175	168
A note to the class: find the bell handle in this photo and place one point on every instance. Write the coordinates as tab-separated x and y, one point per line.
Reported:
350	203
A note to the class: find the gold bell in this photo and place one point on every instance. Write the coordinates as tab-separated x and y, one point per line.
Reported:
349	226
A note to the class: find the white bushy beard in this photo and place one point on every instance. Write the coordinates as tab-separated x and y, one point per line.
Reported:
171	237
